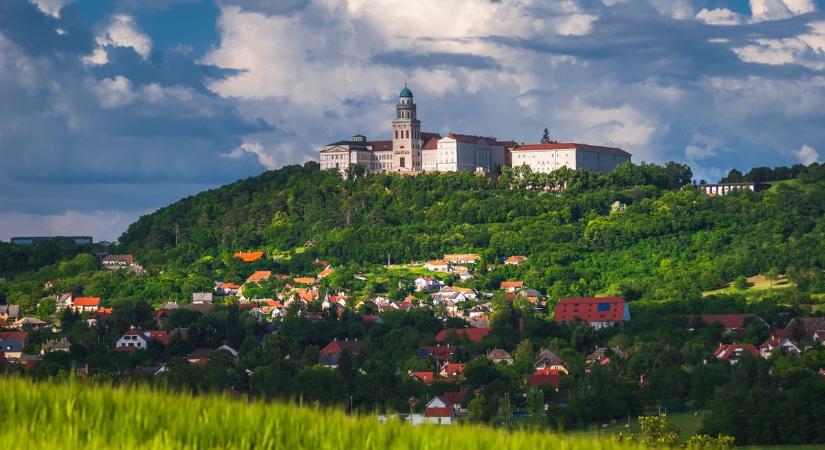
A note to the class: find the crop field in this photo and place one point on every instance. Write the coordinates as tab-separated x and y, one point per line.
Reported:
54	415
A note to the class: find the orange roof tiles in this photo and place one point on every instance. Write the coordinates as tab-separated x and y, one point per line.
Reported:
87	301
249	256
258	276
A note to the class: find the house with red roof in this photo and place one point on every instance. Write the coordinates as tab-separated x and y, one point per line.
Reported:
86	304
439	411
472	334
511	286
259	276
227	288
784	345
599	312
734	352
514	260
544	377
330	355
424	377
249	256
452	370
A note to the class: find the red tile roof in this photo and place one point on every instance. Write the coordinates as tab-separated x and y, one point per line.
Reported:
515	259
543	380
378	146
473	334
304	280
258	276
337	347
728	351
228	286
511	284
249	256
570	146
590	309
426	377
440	412
87	301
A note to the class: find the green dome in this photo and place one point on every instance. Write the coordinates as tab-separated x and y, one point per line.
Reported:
406	92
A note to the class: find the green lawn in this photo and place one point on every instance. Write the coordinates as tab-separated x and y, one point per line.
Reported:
687	422
758	283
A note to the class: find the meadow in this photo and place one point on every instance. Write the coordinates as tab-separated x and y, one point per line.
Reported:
56	415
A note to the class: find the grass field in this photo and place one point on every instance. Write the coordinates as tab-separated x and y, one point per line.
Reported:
758	283
687	422
51	415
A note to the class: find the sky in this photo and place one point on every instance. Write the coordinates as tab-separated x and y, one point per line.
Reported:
110	109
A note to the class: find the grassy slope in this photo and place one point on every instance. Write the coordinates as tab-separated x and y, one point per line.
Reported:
64	416
758	283
687	422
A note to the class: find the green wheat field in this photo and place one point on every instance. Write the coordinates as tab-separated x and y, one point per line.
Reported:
52	415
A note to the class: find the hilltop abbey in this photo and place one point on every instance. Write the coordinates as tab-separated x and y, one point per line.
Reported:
411	151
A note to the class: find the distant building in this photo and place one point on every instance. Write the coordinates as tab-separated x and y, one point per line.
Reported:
551	156
411	151
330	355
599	312
31	240
734	352
727	188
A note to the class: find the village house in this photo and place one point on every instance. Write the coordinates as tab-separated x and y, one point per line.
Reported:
424	377
514	260
498	355
461	258
511	286
472	334
201	356
544	377
9	312
546	359
32	323
53	345
259	276
249	256
603	356
201	298
599	312
428	284
138	339
441	354
783	345
452	370
125	262
330	355
226	288
439	411
437	265
734	352
11	349
86	304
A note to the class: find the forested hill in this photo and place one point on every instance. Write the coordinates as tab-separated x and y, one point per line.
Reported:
636	232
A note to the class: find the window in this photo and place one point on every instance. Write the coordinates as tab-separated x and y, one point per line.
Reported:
408	134
402	163
396	134
603	307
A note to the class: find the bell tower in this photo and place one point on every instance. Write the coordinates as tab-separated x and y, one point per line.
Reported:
406	134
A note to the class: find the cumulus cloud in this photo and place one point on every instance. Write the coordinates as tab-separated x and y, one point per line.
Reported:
719	16
120	31
806	49
763	10
807	155
51	7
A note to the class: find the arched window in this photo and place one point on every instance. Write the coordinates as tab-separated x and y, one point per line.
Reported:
408	134
396	134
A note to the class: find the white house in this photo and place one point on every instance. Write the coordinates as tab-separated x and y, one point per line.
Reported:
437	265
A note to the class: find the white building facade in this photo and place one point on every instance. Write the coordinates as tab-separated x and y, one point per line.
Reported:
463	152
552	156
